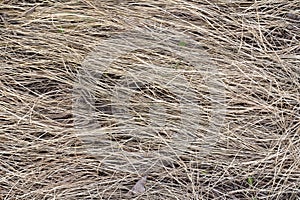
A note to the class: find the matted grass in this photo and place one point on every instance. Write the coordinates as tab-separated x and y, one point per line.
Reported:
203	97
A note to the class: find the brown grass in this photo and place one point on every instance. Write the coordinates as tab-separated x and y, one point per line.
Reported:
204	98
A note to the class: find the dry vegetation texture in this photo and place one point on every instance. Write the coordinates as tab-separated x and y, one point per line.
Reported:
202	97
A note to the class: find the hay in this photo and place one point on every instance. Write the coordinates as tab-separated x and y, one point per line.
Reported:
202	97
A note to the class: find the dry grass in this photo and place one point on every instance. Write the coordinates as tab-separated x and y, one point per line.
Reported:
204	98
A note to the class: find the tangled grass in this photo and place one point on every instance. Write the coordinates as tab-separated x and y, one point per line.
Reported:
202	97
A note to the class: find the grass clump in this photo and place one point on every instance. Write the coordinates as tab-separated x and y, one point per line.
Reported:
195	95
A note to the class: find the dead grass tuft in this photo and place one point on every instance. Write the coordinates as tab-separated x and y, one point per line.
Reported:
200	97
